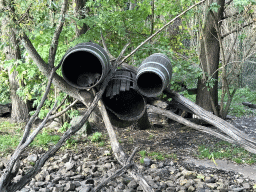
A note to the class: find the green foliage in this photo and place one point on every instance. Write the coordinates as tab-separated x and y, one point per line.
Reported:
156	156
242	95
96	137
225	150
8	142
64	127
45	140
214	7
70	143
241	4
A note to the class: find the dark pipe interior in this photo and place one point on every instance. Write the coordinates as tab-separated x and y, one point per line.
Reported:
128	104
79	64
149	83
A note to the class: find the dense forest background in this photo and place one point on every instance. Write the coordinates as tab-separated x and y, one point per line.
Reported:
212	47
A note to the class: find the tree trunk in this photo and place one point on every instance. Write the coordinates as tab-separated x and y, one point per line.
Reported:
78	7
20	110
209	58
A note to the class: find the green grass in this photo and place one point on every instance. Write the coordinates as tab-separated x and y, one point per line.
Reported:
225	150
45	140
8	143
156	156
11	134
96	137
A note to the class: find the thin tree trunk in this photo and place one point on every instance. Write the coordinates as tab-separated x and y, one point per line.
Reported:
207	98
20	110
78	9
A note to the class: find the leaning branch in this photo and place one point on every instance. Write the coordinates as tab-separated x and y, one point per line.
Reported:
46	70
55	39
160	30
118	151
237	135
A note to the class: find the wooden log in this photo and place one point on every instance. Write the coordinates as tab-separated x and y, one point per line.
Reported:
237	135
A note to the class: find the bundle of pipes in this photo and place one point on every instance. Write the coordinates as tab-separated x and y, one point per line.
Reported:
87	64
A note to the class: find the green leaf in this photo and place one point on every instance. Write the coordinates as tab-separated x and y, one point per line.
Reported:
214	7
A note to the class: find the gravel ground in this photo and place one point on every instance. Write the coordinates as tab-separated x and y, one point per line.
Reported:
86	166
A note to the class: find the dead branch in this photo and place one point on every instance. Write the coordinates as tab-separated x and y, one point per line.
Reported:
250	105
230	130
118	151
183	121
6	177
118	172
160	30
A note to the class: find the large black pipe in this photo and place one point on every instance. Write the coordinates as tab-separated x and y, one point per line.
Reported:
154	74
85	65
122	99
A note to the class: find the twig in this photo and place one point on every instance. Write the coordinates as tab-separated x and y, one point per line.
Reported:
61	103
160	30
63	111
237	30
118	172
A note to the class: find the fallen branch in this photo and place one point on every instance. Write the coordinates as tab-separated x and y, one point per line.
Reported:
118	172
237	135
183	121
118	151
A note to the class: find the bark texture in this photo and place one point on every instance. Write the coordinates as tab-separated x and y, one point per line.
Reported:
20	108
210	58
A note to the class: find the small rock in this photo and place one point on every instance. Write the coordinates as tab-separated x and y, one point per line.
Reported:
48	178
108	166
153	166
17	178
211	185
65	158
246	185
183	182
58	189
189	174
209	180
191	188
44	190
40	177
40	184
70	187
32	158
132	185
147	161
69	165
2	166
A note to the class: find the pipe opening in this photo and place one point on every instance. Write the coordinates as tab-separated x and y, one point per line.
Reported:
128	105
82	69
149	84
